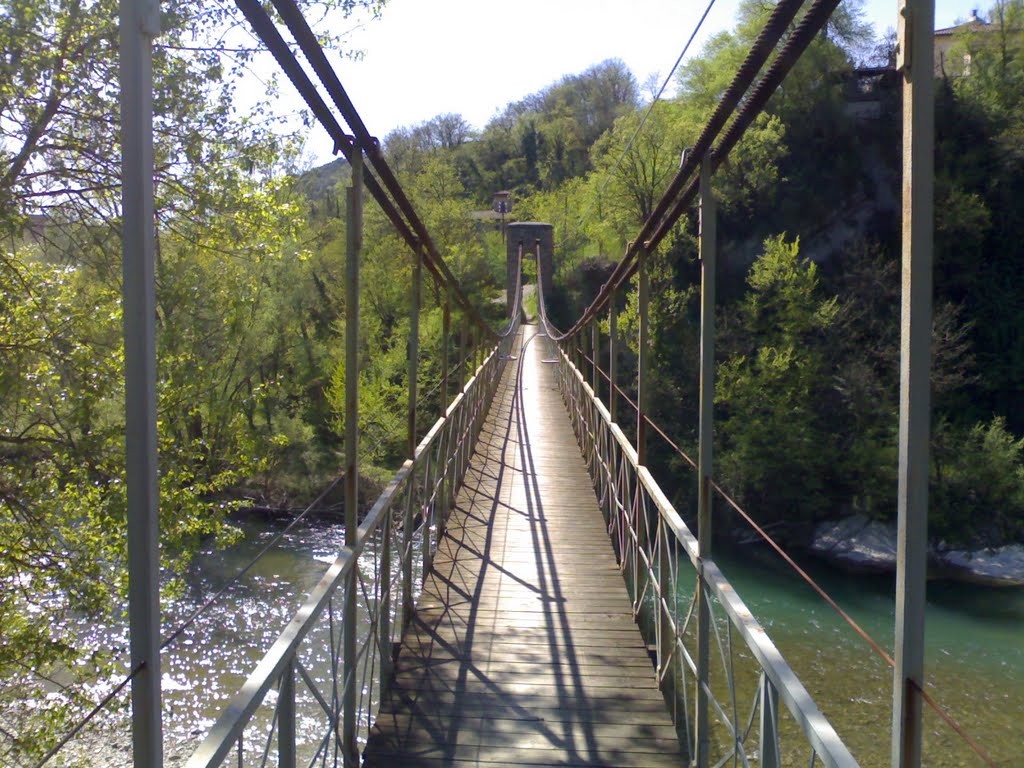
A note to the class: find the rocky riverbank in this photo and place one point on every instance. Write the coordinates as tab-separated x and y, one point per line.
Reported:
109	748
859	544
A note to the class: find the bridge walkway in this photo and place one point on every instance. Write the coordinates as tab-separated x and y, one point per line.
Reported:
523	649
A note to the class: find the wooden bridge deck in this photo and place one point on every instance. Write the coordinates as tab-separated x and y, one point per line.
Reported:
523	649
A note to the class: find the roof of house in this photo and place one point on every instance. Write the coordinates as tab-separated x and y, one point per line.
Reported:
974	24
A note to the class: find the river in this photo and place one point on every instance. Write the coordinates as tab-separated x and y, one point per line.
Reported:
974	656
975	643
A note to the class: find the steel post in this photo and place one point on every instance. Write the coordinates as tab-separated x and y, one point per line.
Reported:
286	718
643	359
446	330
415	299
708	248
594	343
916	23
666	592
429	511
613	351
464	351
642	367
354	244
447	487
139	24
768	748
384	607
411	496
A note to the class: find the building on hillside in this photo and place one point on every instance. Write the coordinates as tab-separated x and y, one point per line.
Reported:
951	60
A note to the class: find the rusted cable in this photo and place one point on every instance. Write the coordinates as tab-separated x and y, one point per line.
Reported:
314	53
647	419
782	553
805	576
267	32
952	723
88	718
806	30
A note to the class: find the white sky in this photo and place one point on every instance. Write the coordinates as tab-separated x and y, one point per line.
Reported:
427	57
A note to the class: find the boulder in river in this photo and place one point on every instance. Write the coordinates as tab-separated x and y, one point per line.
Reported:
1001	567
857	543
861	545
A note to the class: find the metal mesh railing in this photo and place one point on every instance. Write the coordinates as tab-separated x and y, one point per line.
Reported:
310	698
659	558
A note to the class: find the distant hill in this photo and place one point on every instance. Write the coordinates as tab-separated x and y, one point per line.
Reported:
319	184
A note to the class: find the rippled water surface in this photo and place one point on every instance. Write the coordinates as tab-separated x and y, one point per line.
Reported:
975	644
974	657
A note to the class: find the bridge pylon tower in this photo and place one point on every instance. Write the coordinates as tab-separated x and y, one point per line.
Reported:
528	234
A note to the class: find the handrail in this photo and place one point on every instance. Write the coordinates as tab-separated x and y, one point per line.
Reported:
426	482
455	431
609	453
225	733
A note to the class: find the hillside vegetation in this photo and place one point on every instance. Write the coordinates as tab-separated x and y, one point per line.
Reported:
250	293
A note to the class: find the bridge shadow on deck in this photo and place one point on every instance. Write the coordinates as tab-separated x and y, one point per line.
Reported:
523	650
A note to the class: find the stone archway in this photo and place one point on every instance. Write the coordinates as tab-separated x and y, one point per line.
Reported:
529	234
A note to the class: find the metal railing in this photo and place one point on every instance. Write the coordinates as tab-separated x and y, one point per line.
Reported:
655	549
313	695
327	697
308	700
651	538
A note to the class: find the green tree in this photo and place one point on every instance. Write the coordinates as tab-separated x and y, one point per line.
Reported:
224	231
775	446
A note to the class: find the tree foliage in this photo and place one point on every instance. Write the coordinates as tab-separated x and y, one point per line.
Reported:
232	257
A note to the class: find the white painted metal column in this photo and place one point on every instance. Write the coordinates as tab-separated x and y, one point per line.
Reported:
708	246
139	25
354	245
613	351
916	25
643	354
411	497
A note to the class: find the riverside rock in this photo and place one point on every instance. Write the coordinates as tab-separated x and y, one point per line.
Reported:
861	545
857	543
1002	566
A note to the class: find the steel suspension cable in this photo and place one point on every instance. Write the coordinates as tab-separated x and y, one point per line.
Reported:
802	36
264	28
778	22
399	211
650	108
314	53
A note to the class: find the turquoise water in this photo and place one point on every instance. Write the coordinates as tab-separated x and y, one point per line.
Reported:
974	656
975	645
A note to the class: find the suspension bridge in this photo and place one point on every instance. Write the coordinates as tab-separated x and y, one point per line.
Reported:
523	592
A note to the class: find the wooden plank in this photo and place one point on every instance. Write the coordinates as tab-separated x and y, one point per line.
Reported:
523	650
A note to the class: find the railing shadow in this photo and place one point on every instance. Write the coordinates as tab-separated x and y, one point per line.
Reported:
492	669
